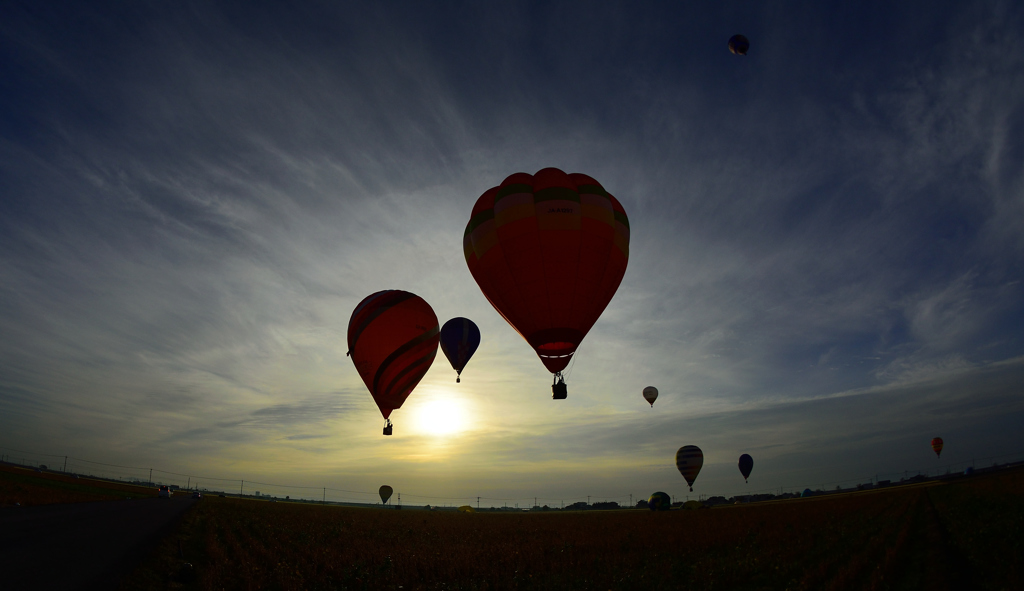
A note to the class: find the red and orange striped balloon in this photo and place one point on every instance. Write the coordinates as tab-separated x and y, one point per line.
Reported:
937	446
548	251
392	338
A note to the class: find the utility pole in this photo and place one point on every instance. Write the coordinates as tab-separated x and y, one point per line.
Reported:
189	485
240	488
151	476
65	469
325	496
588	500
630	499
534	501
478	502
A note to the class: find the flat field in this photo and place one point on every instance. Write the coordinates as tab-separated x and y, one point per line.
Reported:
28	488
959	535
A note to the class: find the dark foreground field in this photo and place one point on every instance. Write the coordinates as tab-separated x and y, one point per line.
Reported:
960	535
81	545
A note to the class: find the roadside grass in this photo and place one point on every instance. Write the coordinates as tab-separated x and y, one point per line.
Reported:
935	536
28	488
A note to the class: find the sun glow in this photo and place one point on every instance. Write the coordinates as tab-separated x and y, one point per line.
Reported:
442	417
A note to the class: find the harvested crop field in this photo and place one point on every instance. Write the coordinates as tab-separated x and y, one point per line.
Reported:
962	534
28	488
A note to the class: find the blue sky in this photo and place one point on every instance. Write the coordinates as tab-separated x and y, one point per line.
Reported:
825	260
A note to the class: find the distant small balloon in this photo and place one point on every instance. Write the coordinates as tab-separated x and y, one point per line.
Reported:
659	501
689	460
746	465
937	446
385	493
739	45
650	394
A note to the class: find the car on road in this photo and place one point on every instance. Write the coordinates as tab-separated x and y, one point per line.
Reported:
197	495
164	492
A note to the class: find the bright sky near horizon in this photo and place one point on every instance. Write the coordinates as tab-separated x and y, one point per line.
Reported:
827	237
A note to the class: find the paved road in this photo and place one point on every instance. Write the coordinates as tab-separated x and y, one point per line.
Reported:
81	545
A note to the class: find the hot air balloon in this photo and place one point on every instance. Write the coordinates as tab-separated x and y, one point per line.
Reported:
739	45
659	501
392	339
459	339
385	493
937	446
650	394
746	465
689	460
548	251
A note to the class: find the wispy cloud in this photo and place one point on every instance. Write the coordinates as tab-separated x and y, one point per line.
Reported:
194	200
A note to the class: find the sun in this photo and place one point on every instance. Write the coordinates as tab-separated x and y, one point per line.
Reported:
442	417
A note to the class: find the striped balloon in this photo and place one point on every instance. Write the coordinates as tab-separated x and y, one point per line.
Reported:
937	446
689	460
392	339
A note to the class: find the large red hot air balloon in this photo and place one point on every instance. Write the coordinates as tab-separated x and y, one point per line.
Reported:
392	338
937	446
548	251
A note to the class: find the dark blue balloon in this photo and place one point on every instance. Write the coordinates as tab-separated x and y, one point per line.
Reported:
459	339
746	465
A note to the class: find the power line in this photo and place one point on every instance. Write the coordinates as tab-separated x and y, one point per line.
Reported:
936	470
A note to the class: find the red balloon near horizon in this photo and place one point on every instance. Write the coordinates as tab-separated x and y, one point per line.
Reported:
548	251
937	446
392	339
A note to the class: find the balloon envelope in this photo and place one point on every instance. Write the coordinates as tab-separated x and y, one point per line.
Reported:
689	460
746	465
548	251
937	446
659	501
392	338
651	394
739	45
466	509
385	493
459	339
